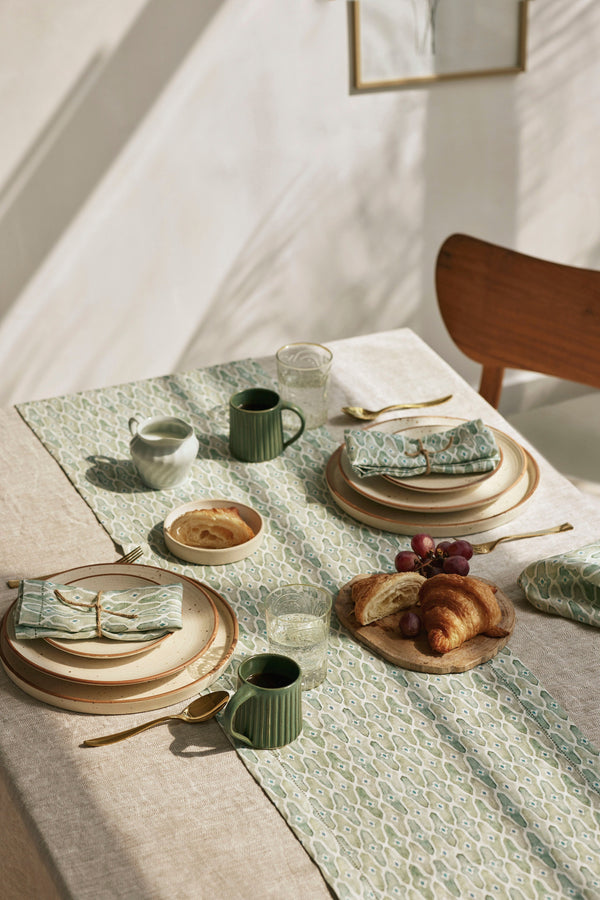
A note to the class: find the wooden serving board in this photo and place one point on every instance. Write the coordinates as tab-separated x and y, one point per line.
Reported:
385	639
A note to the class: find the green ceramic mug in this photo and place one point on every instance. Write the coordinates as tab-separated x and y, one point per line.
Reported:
266	710
256	427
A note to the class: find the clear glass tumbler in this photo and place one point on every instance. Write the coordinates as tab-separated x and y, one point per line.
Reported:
298	617
303	378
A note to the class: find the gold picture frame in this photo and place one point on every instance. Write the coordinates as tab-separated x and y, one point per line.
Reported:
407	43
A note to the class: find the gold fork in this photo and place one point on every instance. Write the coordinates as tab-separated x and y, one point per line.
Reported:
488	546
127	558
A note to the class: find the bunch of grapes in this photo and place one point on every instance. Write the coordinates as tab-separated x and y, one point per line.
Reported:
451	557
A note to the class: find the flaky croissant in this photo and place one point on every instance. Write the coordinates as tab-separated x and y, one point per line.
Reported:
456	608
377	596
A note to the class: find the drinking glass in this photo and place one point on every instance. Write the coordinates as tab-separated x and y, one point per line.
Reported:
298	626
303	378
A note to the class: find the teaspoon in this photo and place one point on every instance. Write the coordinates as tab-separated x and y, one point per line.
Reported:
200	710
367	415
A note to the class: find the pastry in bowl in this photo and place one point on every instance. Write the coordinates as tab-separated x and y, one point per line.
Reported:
213	532
213	529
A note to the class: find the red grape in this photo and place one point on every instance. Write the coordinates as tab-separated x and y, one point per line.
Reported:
442	548
456	565
410	624
450	556
422	544
406	561
460	548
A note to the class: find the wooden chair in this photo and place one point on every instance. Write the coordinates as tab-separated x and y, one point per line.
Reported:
504	309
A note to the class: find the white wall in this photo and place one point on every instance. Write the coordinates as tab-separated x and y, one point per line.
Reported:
186	182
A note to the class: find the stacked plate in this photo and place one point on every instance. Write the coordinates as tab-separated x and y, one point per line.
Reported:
440	505
110	677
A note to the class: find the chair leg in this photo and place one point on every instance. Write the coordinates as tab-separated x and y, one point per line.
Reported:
490	386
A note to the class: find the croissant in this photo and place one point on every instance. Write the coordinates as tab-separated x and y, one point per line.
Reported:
456	608
377	596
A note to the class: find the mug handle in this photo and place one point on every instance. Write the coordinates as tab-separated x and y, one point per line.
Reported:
241	695
134	425
300	414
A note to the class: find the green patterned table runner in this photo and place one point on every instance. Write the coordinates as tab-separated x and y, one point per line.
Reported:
402	784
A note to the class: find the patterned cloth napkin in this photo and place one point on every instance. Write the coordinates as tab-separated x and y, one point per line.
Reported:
465	449
135	614
566	585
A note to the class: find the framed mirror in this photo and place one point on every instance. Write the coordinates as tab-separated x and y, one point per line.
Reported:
398	43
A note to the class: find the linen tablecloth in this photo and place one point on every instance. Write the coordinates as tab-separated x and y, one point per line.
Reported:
401	784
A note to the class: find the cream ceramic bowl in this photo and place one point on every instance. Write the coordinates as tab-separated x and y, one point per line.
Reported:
207	557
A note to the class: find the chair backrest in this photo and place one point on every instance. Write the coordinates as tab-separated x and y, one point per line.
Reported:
504	309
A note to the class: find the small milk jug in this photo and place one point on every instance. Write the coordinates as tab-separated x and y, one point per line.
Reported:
163	450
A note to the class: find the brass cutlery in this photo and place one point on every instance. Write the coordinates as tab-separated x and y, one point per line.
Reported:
488	546
367	415
127	558
200	710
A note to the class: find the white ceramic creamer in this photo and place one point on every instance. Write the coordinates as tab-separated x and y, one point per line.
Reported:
163	449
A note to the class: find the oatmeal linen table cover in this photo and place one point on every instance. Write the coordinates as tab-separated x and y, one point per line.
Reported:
402	784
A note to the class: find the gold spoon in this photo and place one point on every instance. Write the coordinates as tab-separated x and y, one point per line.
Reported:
367	415
202	709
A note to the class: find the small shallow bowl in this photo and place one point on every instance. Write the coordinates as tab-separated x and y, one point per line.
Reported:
208	557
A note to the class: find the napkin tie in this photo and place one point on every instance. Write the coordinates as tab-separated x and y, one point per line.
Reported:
427	453
48	609
468	448
97	604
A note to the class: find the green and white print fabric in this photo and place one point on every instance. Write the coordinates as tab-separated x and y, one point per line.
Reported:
567	585
402	784
135	614
463	450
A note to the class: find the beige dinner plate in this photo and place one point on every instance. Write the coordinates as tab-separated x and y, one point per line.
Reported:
436	481
452	524
200	622
104	648
378	488
131	698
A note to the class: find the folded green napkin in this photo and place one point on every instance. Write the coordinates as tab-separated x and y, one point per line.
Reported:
465	449
136	614
566	585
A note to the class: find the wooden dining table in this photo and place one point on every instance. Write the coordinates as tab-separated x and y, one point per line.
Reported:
403	783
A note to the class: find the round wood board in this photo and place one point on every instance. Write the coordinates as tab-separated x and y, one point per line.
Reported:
385	639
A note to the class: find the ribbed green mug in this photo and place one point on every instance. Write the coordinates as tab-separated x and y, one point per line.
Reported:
266	709
256	426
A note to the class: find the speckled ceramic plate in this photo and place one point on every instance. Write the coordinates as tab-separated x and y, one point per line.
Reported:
438	524
383	490
200	622
104	648
132	698
436	481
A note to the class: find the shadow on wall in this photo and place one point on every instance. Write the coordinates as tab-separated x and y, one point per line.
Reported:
88	132
335	253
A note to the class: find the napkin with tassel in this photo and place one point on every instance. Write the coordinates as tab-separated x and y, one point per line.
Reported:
466	449
46	609
566	585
